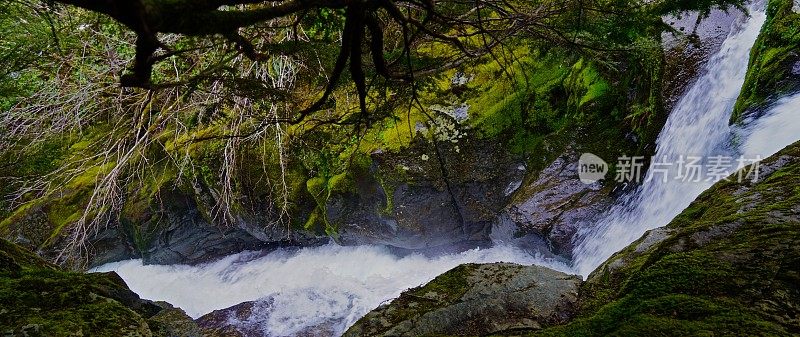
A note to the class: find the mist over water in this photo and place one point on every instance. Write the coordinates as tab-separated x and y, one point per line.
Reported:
320	285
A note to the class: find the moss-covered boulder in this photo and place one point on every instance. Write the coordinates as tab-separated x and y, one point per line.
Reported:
473	299
774	69
39	299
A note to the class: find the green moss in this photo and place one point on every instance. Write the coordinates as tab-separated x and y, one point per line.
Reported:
587	84
524	104
61	214
442	291
39	299
338	183
321	189
388	190
14	258
315	221
18	214
447	287
61	208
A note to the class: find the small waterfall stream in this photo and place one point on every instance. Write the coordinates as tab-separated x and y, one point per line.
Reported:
336	285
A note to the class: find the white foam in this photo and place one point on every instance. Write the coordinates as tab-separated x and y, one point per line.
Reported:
309	286
772	132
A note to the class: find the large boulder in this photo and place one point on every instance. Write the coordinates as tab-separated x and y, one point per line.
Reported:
473	299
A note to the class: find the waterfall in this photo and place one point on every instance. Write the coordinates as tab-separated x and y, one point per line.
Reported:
334	286
775	130
698	127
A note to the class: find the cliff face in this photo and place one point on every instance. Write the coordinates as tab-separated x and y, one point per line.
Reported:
729	264
481	147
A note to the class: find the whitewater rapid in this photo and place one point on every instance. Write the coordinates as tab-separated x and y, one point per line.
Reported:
308	286
319	285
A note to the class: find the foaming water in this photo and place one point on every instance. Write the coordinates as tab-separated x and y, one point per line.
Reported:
697	127
772	132
307	287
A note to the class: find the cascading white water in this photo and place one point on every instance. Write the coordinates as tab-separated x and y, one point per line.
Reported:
775	130
320	285
698	127
308	287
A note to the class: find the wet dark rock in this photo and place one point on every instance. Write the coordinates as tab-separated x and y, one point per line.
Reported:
111	245
556	204
176	232
189	239
232	322
414	201
687	52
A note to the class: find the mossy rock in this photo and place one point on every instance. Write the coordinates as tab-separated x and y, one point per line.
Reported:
39	299
473	300
774	69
